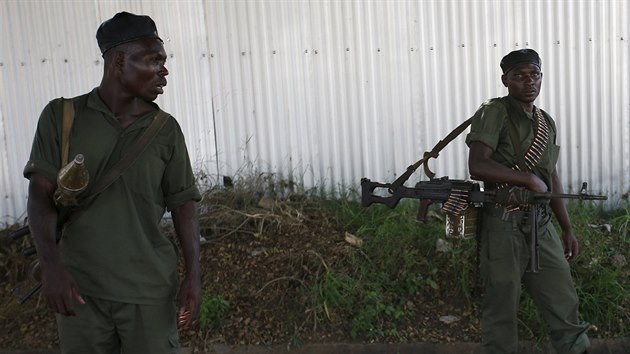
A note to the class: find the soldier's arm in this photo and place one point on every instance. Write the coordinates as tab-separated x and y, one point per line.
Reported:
57	285
186	225
571	246
482	167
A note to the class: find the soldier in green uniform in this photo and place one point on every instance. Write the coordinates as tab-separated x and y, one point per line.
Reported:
507	133
112	280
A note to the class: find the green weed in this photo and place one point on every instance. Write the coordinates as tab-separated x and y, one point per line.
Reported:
336	293
212	311
398	263
621	223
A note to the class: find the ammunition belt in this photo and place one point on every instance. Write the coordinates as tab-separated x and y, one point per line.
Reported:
457	202
536	148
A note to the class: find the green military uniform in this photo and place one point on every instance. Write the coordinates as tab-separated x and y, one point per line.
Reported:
114	249
505	248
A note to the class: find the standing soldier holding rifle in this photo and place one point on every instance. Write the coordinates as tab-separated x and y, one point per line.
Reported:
513	143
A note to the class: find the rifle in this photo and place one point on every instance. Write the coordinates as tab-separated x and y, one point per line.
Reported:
28	252
457	195
440	189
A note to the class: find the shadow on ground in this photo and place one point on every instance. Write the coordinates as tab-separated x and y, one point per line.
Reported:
609	346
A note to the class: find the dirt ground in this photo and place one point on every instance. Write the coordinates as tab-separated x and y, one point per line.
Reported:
261	263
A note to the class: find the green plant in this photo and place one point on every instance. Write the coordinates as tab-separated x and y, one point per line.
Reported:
212	311
370	320
622	224
377	291
335	292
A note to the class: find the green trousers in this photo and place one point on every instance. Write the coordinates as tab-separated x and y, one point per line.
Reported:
504	260
109	327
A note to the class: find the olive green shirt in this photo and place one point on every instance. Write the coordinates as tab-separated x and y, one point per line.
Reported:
114	249
489	126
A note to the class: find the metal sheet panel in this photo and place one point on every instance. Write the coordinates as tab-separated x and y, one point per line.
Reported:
327	92
39	61
375	84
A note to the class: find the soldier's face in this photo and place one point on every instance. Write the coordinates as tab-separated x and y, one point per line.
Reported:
523	82
144	73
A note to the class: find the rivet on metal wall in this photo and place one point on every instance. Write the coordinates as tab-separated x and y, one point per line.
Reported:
203	55
306	51
43	60
315	51
462	45
526	43
65	60
378	50
412	49
1	64
516	44
22	63
212	55
243	53
557	42
431	48
172	55
347	49
494	45
274	52
97	62
590	39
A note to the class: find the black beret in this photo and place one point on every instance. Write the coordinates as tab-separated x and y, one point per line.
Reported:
517	57
125	27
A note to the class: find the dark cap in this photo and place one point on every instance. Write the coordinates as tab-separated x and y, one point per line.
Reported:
518	57
125	27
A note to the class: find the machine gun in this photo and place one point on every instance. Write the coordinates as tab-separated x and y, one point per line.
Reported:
442	189
457	195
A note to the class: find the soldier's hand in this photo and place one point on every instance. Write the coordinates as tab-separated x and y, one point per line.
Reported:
571	246
189	302
59	289
535	184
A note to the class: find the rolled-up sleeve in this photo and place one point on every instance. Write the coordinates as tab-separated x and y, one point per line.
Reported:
45	152
486	125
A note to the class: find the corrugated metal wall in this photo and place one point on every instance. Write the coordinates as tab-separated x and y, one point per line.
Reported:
327	92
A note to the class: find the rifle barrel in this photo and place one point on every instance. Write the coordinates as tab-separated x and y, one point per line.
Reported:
24	298
22	231
570	196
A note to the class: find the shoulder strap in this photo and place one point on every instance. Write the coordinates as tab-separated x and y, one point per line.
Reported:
68	120
434	153
131	155
122	165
